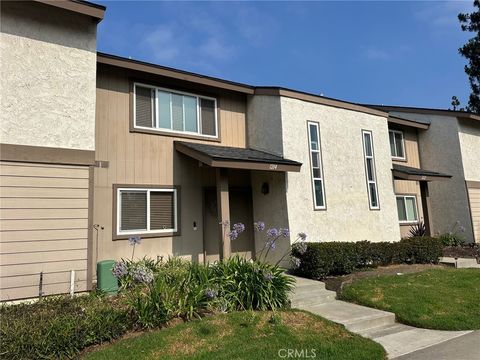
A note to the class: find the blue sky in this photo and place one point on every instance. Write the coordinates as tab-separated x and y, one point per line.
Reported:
384	52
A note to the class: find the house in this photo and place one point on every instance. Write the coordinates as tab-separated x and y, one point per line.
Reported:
96	149
47	149
449	143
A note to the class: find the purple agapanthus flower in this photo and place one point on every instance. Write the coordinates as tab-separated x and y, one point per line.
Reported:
259	225
285	232
296	262
272	244
142	274
233	235
301	247
239	227
461	228
119	269
134	240
268	276
211	293
302	236
273	233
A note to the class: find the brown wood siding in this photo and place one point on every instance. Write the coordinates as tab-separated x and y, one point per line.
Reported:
150	159
474	199
411	147
43	228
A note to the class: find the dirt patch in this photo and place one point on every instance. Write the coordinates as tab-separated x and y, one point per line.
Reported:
337	283
471	251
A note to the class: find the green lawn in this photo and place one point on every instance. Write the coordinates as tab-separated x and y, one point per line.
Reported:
246	335
446	299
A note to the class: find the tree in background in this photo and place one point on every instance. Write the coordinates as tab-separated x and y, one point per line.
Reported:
455	103
471	51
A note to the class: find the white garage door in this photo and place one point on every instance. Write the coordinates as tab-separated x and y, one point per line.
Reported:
474	196
43	228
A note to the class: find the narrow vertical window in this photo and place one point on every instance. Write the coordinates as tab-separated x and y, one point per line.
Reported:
316	166
370	170
397	144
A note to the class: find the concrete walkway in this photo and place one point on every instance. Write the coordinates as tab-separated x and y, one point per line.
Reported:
378	325
460	263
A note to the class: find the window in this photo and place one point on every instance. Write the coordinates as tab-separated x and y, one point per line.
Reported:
397	145
370	170
173	111
316	165
145	211
407	208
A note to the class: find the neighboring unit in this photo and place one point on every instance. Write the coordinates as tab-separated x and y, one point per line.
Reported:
451	145
47	146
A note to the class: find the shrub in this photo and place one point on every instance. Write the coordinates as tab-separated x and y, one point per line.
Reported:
319	260
251	285
453	237
418	229
60	327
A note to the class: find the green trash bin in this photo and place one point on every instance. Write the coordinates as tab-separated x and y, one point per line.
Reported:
106	282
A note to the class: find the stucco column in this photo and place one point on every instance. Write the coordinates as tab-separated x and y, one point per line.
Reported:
426	207
223	205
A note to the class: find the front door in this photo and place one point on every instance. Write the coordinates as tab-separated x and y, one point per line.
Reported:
241	210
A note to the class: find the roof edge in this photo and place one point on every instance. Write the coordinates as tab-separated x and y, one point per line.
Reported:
317	99
419	110
407	122
142	66
96	11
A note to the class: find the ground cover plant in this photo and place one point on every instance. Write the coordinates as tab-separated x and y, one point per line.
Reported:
247	335
445	299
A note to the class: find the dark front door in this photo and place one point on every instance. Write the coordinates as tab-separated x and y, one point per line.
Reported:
241	210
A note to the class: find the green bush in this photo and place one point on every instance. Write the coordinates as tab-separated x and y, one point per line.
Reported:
60	327
319	260
251	285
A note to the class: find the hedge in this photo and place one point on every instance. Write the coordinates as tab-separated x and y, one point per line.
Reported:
339	258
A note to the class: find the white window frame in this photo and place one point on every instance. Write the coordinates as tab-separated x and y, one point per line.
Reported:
374	170
406	213
156	114
316	207
395	157
147	231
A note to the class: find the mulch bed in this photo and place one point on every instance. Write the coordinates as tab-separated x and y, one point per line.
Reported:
336	283
466	251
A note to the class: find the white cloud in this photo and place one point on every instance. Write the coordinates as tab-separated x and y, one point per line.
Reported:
162	43
377	54
384	54
441	14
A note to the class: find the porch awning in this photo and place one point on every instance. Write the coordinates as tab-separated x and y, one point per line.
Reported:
409	173
236	158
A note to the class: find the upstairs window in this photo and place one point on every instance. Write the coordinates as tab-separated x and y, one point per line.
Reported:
397	144
173	111
370	170
316	166
407	208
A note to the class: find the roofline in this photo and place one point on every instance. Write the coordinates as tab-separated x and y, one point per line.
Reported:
419	110
406	122
150	68
317	99
96	11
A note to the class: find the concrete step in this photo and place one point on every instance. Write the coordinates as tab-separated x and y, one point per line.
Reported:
384	330
312	292
302	283
460	263
405	342
354	317
317	299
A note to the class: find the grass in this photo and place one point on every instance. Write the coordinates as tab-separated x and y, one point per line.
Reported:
444	299
245	335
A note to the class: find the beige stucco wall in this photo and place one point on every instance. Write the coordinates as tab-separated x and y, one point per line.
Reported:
469	136
440	150
48	69
347	217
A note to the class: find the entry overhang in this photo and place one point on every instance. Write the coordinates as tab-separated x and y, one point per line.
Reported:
236	158
414	174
